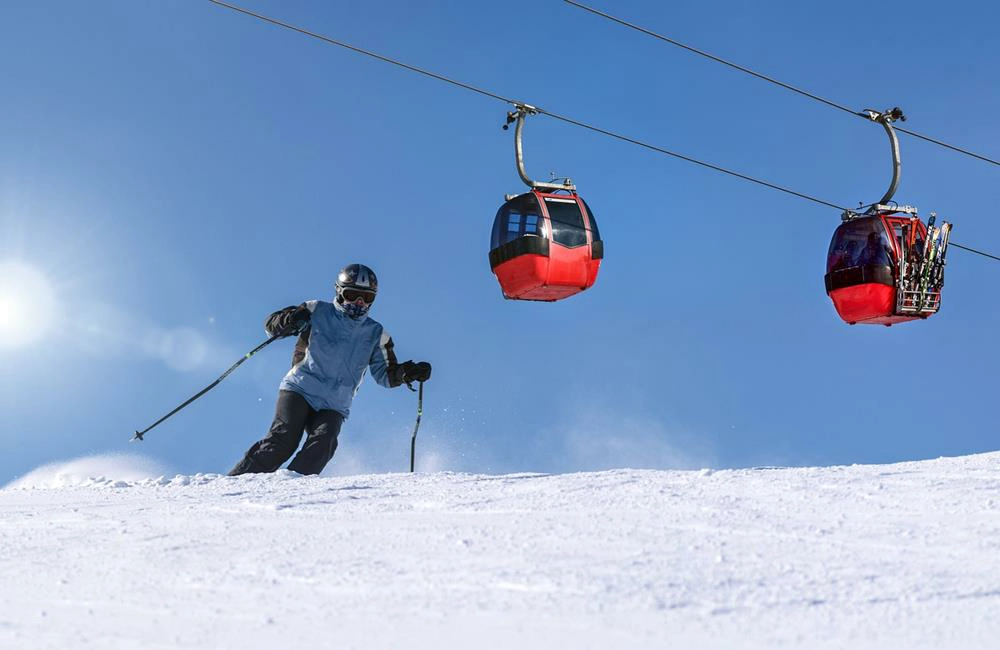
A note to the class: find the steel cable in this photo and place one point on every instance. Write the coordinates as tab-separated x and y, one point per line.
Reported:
772	80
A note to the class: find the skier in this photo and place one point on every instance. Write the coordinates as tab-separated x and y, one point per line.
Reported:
336	343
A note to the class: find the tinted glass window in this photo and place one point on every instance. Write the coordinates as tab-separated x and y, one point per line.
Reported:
593	222
567	222
859	242
498	222
516	218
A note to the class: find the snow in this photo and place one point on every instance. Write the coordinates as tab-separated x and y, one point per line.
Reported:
876	556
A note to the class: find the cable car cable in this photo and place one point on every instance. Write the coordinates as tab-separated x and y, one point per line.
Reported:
651	147
764	77
556	116
359	50
973	250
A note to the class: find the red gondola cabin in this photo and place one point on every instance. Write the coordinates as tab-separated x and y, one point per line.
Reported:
881	269
545	246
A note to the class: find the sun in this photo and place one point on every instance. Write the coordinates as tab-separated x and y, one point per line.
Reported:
27	304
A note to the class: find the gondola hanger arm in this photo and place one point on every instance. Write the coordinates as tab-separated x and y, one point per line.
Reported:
886	118
520	112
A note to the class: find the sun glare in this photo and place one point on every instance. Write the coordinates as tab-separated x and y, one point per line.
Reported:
27	304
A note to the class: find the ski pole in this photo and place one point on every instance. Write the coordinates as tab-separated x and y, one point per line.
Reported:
413	438
139	434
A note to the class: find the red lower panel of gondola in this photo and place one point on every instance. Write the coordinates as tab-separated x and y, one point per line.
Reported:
565	272
869	304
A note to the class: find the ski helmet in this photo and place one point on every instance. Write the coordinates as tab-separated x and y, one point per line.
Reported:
356	289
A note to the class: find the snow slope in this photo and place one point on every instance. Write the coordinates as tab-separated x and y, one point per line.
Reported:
894	556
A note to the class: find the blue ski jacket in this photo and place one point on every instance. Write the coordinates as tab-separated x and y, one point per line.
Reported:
332	355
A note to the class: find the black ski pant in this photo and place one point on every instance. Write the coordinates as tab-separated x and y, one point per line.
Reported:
292	416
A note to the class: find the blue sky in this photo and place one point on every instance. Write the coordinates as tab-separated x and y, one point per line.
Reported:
173	172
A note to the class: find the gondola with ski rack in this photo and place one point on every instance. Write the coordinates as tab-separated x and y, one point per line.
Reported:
885	266
545	244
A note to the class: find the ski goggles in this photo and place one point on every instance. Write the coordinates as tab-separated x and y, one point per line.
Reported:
352	295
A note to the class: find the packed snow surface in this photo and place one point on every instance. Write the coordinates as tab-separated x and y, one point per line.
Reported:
890	556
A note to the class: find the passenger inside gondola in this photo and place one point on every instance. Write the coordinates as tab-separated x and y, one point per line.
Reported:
860	242
845	256
875	252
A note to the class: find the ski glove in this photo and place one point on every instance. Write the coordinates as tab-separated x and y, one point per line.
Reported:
298	320
289	321
420	371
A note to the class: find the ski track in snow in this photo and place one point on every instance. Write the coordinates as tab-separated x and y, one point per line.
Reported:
888	556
